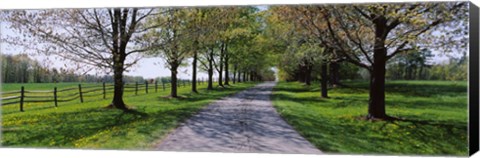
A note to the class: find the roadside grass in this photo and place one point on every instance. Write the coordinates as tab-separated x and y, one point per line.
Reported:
435	114
90	125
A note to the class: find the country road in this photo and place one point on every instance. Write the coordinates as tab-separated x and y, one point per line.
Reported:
244	122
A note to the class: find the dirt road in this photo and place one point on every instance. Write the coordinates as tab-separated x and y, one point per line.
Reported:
244	122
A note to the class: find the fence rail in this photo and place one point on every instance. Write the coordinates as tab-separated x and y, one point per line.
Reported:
81	92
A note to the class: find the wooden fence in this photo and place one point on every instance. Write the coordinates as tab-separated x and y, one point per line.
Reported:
81	92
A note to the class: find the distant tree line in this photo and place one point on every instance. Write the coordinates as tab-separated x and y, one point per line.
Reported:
415	66
22	69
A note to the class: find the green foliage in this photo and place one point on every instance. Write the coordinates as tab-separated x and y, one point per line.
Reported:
91	126
435	114
417	66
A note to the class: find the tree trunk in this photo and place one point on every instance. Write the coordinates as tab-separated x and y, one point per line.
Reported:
334	73
119	56
234	73
244	76
227	78
238	76
117	101
301	73
173	81
420	73
376	106
194	73
251	76
220	70
210	71
308	74
323	82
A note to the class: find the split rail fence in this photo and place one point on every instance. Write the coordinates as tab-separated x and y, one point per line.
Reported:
81	92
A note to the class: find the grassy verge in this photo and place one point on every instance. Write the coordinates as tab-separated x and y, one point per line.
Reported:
436	113
89	125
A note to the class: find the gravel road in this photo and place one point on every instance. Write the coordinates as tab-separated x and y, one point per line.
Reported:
245	123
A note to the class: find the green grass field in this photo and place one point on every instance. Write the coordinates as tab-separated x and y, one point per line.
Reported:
89	125
435	113
42	86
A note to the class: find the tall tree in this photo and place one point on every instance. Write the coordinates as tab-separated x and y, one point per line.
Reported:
100	38
172	40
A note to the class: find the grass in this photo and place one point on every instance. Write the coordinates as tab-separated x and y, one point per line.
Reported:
435	113
42	86
89	125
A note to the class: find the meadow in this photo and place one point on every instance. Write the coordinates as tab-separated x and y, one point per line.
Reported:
90	125
433	117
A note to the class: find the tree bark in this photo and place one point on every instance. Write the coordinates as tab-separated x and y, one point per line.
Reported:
194	73
234	73
238	76
119	55
334	73
117	101
173	81
323	82
227	78
301	73
308	74
220	70
210	71
244	76
376	106
251	76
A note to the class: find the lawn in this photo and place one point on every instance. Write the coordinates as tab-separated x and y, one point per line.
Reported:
89	125
435	114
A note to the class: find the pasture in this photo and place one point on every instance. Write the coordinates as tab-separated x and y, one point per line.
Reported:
434	117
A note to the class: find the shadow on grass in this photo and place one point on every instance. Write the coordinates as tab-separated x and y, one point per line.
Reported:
305	100
415	134
417	88
62	129
65	128
405	137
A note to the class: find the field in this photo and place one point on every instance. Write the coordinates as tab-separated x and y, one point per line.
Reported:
434	113
91	126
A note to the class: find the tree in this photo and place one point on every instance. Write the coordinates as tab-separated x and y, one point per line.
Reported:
306	44
370	35
99	38
172	41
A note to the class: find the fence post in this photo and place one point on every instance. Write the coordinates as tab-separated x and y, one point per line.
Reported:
22	95
156	86
146	87
163	84
55	96
80	92
136	88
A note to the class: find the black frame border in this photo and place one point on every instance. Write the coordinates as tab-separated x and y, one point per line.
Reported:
473	86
